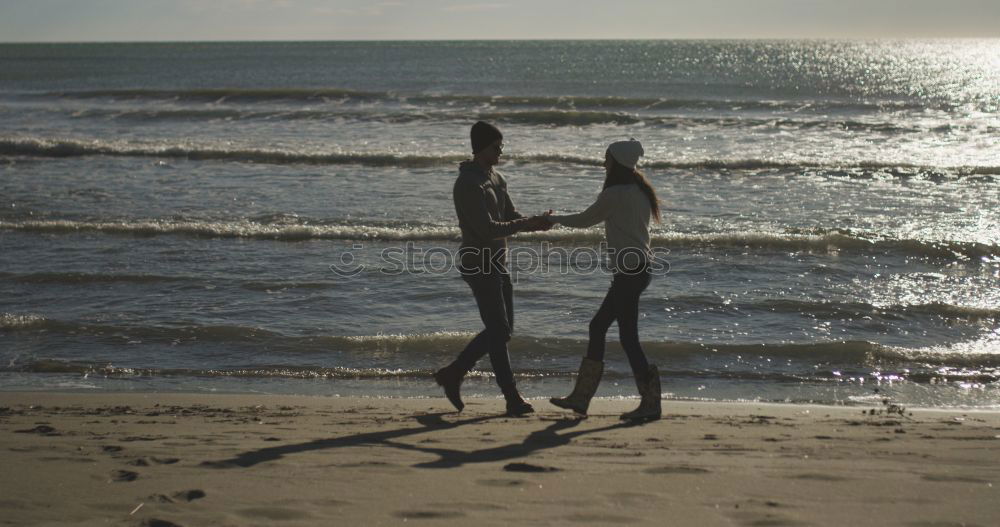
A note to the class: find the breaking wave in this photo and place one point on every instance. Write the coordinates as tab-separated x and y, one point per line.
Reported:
27	146
542	117
80	148
336	95
449	342
818	242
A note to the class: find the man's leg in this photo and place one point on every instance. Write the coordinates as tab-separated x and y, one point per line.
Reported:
508	300
489	292
474	350
499	356
516	405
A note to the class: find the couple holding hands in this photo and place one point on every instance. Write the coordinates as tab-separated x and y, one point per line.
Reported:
486	217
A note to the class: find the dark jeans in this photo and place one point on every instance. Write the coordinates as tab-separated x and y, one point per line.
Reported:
495	298
621	304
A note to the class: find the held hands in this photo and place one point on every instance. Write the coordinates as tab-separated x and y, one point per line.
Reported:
538	223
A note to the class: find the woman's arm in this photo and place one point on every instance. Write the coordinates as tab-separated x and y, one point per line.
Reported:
594	214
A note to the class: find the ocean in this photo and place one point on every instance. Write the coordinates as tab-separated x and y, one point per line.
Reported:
277	217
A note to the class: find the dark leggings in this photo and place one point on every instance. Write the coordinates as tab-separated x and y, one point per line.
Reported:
495	298
621	304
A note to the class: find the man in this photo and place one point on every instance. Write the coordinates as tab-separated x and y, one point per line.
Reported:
487	217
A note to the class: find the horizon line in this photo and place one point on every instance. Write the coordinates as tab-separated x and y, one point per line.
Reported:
595	39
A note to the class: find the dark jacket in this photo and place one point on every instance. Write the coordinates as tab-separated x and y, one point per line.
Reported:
486	216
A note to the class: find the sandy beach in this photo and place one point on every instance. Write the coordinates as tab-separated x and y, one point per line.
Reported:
169	459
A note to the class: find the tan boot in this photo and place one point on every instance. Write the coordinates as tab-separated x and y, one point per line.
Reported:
585	388
649	388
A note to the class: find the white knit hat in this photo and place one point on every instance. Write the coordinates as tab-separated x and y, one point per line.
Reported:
626	153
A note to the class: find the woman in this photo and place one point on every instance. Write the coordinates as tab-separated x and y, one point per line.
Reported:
625	205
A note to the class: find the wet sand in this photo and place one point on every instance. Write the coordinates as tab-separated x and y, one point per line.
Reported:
161	460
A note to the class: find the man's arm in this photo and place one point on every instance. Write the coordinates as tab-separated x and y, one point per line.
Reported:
471	203
510	213
507	209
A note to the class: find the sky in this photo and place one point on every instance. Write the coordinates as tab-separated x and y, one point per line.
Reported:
207	20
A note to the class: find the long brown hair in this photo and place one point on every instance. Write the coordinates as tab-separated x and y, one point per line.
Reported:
620	174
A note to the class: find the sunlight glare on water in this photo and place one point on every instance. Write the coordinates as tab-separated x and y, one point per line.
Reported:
830	211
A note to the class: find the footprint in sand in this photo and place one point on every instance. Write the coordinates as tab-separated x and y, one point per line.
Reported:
330	502
942	523
124	475
273	513
131	439
501	482
189	495
819	477
145	462
154	522
11	505
629	498
428	515
676	470
376	466
467	506
527	467
44	430
68	459
33	448
763	513
599	518
184	495
952	479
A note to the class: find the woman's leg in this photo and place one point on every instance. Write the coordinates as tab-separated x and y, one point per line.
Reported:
627	289
647	377
592	366
599	326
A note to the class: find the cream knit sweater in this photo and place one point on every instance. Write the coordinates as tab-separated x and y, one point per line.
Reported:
625	211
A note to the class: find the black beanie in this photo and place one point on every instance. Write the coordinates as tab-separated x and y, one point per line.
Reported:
483	135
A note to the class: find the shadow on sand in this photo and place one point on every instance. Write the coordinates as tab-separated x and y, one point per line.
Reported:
549	437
